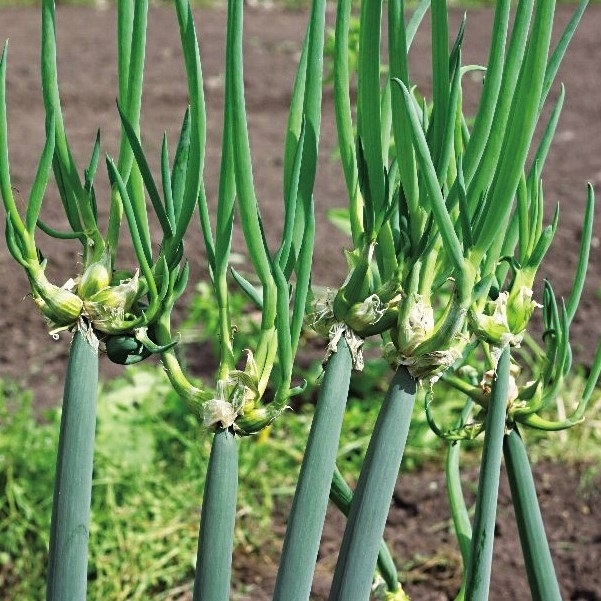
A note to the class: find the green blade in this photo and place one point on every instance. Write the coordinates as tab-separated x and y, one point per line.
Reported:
457	504
583	255
247	202
253	294
38	189
180	164
490	91
149	182
5	183
415	21
399	69
560	49
90	172
369	118
196	152
166	182
344	120
516	142
303	279
426	163
131	55
440	78
137	222
483	170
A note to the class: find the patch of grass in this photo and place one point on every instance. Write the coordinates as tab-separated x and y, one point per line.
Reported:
149	470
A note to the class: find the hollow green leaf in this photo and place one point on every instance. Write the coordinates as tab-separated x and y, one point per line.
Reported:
50	231
205	226
180	164
196	149
484	168
543	148
369	116
516	141
425	161
415	21
255	295
399	68
13	243
247	201
136	221
447	142
490	91
560	49
440	78
38	189
130	61
583	255
344	121
149	182
457	504
303	279
166	182
283	254
90	172
464	210
5	183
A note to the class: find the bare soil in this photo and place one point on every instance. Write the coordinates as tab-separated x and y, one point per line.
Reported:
418	525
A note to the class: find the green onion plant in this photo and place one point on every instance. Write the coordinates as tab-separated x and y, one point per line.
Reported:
98	304
236	405
107	308
446	216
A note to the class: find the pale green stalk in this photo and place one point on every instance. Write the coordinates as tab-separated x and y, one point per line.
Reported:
371	501
307	515
217	521
69	529
342	495
480	560
459	511
535	546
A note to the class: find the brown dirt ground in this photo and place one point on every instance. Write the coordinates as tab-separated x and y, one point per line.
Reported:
88	78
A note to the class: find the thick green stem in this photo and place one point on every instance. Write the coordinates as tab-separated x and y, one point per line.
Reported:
342	495
371	501
480	561
69	529
535	546
305	522
217	520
